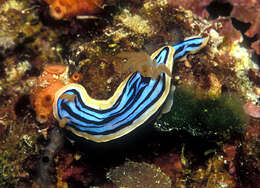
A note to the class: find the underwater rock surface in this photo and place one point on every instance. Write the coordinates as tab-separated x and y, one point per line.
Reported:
211	136
18	23
133	174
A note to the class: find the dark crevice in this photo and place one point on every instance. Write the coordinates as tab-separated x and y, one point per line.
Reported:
22	107
2	67
218	8
243	27
45	159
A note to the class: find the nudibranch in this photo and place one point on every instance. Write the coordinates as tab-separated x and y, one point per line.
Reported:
60	9
138	100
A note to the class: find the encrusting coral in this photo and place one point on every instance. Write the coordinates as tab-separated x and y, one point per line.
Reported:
60	9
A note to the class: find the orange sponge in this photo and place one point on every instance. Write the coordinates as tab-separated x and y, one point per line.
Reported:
42	95
60	9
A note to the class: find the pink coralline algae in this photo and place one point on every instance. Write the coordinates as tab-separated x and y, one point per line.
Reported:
256	45
247	11
196	6
230	153
73	172
254	76
171	165
252	110
229	31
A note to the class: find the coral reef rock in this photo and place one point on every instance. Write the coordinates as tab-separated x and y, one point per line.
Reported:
133	174
18	21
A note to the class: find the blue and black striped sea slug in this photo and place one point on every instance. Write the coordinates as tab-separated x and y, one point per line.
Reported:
136	101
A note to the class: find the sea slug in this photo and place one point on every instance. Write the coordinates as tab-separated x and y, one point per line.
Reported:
138	100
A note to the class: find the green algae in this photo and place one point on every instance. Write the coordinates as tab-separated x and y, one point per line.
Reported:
203	116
